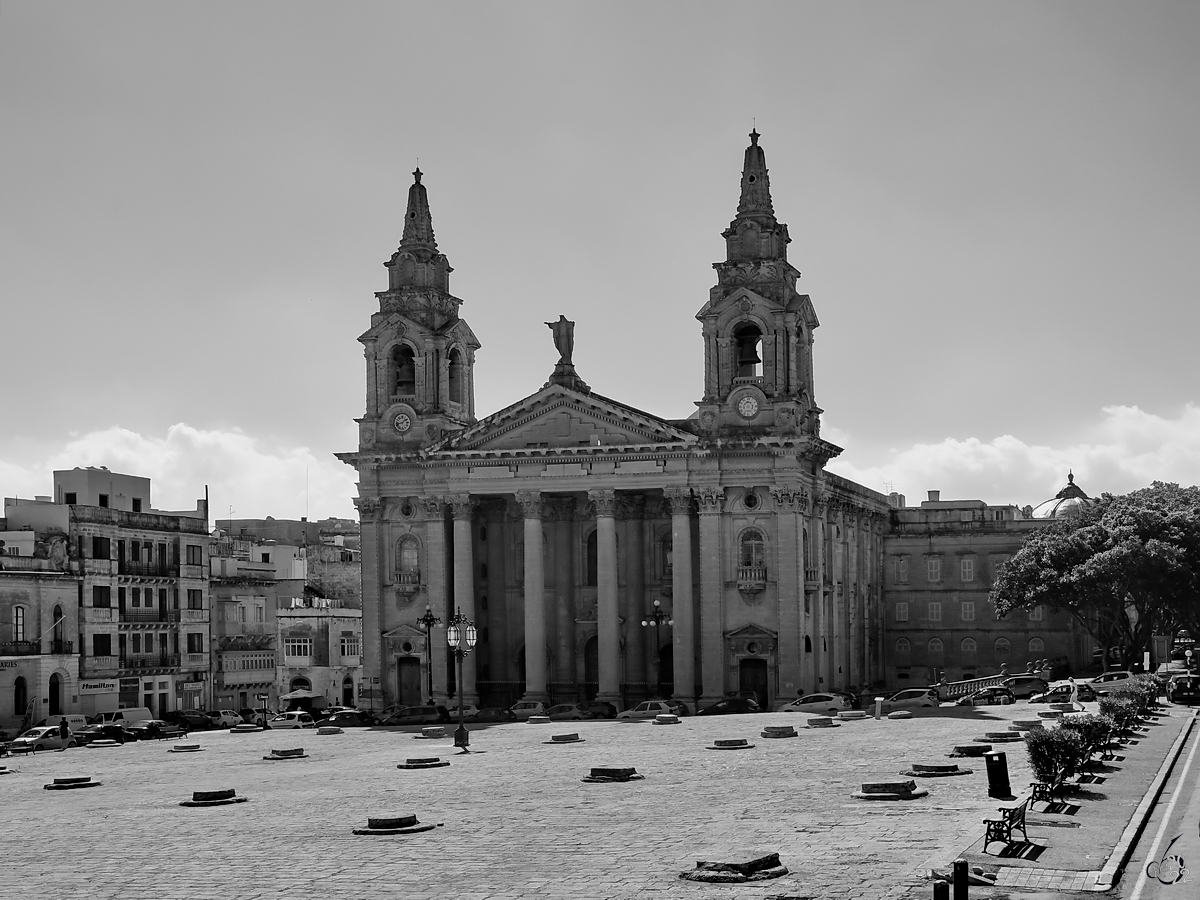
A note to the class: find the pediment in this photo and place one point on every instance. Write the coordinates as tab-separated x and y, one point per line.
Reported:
405	631
558	417
751	632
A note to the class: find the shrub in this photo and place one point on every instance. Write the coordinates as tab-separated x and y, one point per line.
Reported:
1055	754
1121	708
1094	731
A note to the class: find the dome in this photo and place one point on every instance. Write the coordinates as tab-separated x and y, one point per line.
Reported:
1066	502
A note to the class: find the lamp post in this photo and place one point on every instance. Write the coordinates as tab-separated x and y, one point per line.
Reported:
461	636
656	619
427	622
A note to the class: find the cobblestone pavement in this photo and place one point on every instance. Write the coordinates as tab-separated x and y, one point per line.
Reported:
518	823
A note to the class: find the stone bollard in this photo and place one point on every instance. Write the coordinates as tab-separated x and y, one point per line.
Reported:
960	877
606	774
941	890
424	762
296	753
430	732
394	825
666	719
71	784
572	738
997	772
878	707
214	798
731	744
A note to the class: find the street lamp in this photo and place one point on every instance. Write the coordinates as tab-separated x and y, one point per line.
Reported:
427	622
657	618
461	636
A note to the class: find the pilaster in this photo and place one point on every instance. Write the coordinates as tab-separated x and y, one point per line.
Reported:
790	584
712	617
682	601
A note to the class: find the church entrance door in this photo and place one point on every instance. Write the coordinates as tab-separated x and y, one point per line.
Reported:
752	676
408	681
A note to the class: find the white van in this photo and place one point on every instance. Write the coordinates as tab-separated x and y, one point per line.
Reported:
73	722
126	717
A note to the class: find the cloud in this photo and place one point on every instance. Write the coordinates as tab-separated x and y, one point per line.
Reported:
1126	449
240	471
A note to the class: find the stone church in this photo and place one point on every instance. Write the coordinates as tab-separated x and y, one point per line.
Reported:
601	551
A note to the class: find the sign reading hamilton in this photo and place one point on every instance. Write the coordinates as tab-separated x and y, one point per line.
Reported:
97	687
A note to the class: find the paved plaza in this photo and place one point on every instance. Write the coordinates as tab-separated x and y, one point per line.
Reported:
517	821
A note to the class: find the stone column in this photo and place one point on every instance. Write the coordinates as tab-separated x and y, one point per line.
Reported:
682	603
608	626
463	508
374	565
631	513
535	599
712	616
790	584
435	581
821	600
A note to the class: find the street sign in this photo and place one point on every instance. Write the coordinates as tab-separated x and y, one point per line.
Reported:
263	696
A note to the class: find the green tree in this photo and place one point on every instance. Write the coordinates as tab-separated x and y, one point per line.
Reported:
1126	567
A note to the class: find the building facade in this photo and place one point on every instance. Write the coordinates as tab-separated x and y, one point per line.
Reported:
562	523
321	650
139	622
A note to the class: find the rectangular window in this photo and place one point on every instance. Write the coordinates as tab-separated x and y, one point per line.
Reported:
968	569
69	498
137	643
175	643
1035	614
121	597
902	570
933	568
266	557
101	645
175	598
135	551
149	642
101	596
135	597
137	504
104	500
349	646
935	611
259	614
195	642
195	599
162	597
901	612
968	611
297	647
194	557
101	548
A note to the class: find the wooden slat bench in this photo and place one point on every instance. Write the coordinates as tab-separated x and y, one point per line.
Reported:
1012	818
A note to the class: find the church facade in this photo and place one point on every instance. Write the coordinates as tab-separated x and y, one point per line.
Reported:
601	551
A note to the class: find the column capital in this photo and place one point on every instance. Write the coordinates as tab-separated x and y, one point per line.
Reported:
680	500
631	506
710	499
560	509
462	506
368	508
605	501
790	499
530	503
434	507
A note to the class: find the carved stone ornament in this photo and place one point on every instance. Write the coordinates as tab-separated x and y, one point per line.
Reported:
747	304
710	499
434	507
560	509
433	432
530	503
366	435
708	419
790	499
462	506
631	506
680	500
605	502
654	508
368	507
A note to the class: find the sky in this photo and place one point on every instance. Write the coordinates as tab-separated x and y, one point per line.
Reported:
994	206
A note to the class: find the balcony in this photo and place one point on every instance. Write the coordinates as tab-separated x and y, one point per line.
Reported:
98	666
812	579
148	569
150	661
194	616
34	648
194	661
194	572
149	615
238	629
97	615
751	579
408	582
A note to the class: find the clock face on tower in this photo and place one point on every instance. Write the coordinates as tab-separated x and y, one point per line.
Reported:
747	407
402	423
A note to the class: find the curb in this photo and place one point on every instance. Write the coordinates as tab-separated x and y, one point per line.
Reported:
1115	863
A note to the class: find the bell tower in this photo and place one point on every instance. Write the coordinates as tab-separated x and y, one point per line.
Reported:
420	355
758	331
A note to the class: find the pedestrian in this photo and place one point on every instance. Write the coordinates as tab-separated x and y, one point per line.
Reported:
64	733
1074	693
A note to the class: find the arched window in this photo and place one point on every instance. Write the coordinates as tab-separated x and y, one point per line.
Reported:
1003	647
59	621
903	647
455	368
406	556
299	684
20	697
753	549
746	339
808	644
592	564
936	649
18	623
968	647
1036	645
404	372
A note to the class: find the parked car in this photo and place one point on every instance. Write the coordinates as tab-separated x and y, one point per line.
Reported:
319	715
254	716
1025	686
469	711
817	704
189	719
350	718
414	715
989	696
523	709
44	738
1184	689
730	706
1060	692
600	709
566	712
224	718
849	697
102	731
1104	683
156	729
297	718
912	698
647	709
493	714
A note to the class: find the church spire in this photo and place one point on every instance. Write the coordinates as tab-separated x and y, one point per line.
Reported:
756	184
418	223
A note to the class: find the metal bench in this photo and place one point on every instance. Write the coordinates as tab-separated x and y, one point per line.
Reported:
1012	818
1041	793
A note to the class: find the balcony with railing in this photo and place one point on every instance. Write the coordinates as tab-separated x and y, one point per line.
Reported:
194	616
150	661
36	648
98	666
148	569
194	661
751	579
151	614
408	581
237	629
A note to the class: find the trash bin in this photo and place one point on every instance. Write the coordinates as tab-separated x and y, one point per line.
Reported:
997	773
